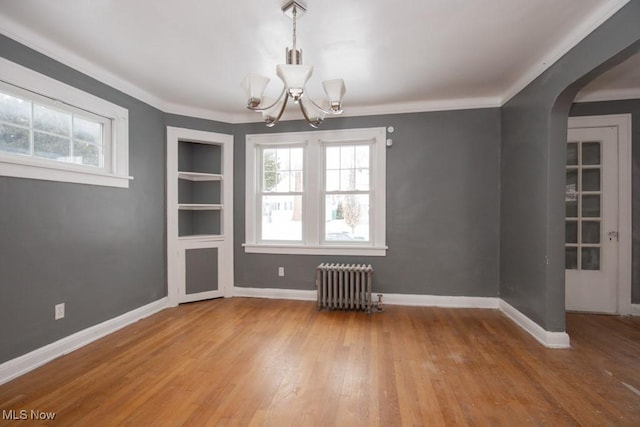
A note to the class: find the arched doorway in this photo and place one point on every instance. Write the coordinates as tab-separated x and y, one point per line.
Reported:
533	172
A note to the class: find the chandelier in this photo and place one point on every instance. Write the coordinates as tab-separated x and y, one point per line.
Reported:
294	75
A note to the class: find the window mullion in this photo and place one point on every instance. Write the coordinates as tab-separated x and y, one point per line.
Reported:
71	144
313	174
257	199
32	149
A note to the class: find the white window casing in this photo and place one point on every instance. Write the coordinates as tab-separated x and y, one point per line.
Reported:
26	84
313	194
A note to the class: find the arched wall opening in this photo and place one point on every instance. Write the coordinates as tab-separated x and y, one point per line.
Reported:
533	159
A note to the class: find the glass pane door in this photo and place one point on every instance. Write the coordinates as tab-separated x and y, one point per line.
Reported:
583	199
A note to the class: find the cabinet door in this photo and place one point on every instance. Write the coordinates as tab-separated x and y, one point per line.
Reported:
200	271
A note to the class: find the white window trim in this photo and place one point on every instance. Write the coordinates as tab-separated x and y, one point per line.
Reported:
116	173
314	142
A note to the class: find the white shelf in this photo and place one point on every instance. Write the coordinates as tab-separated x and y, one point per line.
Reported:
199	207
199	176
202	237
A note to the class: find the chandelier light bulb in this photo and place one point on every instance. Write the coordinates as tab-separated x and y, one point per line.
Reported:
254	86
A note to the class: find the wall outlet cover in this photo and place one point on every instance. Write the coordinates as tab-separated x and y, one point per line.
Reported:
59	311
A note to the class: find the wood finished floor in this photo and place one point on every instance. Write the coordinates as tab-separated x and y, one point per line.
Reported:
246	361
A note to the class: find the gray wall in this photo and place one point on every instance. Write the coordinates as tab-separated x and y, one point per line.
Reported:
533	157
100	250
632	107
442	207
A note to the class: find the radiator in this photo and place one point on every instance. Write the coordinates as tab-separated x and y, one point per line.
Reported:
344	286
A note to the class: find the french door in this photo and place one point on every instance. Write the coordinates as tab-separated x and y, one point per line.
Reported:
591	227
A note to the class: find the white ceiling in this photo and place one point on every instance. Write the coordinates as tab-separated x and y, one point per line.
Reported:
620	82
189	56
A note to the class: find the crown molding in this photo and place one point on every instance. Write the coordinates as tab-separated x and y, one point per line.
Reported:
608	95
198	113
392	108
424	106
604	12
67	57
70	59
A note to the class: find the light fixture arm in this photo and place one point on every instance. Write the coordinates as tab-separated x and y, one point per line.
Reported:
271	123
260	109
319	107
313	123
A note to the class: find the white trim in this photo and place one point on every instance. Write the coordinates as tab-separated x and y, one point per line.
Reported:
546	338
423	106
176	244
114	117
314	250
635	310
391	299
312	233
21	365
51	172
604	12
275	293
623	124
608	95
440	301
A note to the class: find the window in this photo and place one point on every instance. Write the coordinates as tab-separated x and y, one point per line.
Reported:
316	193
281	193
52	131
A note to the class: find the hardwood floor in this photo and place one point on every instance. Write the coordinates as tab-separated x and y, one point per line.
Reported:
246	361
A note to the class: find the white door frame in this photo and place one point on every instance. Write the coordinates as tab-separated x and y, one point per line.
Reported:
622	122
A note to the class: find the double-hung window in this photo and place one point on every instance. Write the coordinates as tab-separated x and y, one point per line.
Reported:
316	193
52	131
281	193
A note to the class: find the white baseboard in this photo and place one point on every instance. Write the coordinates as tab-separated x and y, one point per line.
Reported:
439	301
635	310
21	365
392	299
273	293
546	338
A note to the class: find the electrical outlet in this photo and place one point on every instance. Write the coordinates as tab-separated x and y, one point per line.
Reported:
59	313
281	271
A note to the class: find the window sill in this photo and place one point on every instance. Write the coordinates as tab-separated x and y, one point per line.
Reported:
253	248
31	169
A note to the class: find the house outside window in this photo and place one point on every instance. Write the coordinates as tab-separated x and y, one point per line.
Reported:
317	192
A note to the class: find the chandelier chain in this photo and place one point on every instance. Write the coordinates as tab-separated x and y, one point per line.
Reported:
295	12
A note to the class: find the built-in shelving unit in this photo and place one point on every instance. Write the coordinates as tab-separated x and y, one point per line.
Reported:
199	189
199	214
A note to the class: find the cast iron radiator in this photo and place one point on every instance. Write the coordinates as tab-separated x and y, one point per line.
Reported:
344	286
